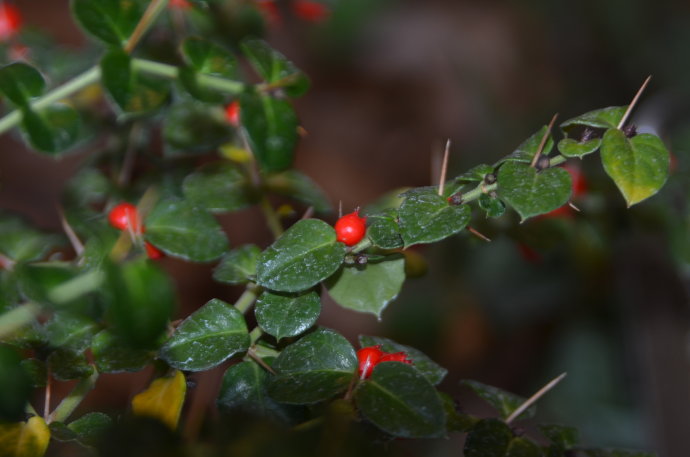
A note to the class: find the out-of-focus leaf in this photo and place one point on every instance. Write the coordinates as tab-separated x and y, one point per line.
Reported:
53	129
191	127
111	21
504	402
219	187
66	365
15	386
488	438
299	186
238	266
89	427
206	58
162	400
20	82
113	355
274	67
24	439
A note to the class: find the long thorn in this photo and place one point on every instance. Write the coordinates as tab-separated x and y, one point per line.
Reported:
572	205
542	144
478	234
251	353
444	169
632	104
308	213
531	400
74	240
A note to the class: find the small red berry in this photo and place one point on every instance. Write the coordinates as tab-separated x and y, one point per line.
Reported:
368	357
232	113
152	251
125	216
311	11
395	357
179	4
350	229
10	21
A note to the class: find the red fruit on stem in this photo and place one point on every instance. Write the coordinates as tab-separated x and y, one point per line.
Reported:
232	113
125	216
368	357
311	11
152	251
350	229
395	357
10	21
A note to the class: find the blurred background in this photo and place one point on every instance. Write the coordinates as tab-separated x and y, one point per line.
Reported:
601	294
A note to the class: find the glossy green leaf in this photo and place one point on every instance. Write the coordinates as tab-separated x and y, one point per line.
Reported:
53	129
238	266
181	229
20	82
15	385
244	389
605	118
368	288
562	436
504	402
525	152
456	421
426	217
304	255
20	242
572	148
523	447
638	165
270	125
488	438
475	174
383	229
141	302
24	439
192	127
274	67
111	21
66	365
315	368
133	92
70	330
299	186
493	207
283	315
399	400
206	58
114	355
89	427
219	187
209	336
421	362
531	192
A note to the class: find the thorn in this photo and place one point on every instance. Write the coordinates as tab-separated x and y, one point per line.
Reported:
260	361
301	131
572	205
531	400
444	169
540	149
74	240
308	213
478	234
632	104
340	209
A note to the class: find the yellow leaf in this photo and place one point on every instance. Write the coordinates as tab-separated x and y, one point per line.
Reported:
24	439
234	153
162	400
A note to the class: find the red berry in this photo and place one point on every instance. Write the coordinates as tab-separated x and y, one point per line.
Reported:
311	11
269	10
125	216
152	251
368	358
179	4
396	357
10	21
232	113
350	229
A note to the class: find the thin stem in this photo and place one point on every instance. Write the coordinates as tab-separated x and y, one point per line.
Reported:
540	149
444	169
46	400
632	104
16	318
255	334
73	399
361	246
557	160
271	217
252	354
146	21
247	298
478	191
531	400
74	240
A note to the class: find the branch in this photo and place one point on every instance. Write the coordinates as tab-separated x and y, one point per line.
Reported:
531	400
632	104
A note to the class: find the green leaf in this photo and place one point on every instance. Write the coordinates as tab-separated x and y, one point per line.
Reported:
617	453
531	192
638	165
53	129
504	402
315	368
572	148
60	432
20	83
605	118
38	280
560	435
15	386
24	439
421	362
368	288
456	421
283	315
299	186
304	255
89	427
209	336
426	217
383	229
22	243
274	67
238	266
134	93
525	152
488	438
66	365
70	330
37	371
401	401
475	174
522	447
494	207
114	355
271	129
182	229
244	389
206	58
219	187
111	21
191	127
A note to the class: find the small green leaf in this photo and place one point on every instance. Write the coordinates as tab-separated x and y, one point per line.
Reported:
271	128
571	148
182	229
192	127
475	174
66	365
299	186
20	83
560	435
383	229
504	402
53	129
426	217
605	118
209	336
89	427
304	255
274	67
15	386
283	315
531	192
134	93
494	207
456	421
638	165
401	401
315	368
20	242
368	288
488	438
111	21
114	355
525	152
523	447
206	58
238	266
70	330
430	369
219	187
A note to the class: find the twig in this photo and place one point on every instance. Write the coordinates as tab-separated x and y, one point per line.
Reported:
542	144
478	234
149	17
73	399
632	104
531	400
444	169
74	240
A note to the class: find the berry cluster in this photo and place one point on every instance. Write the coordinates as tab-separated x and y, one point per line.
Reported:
125	216
371	356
